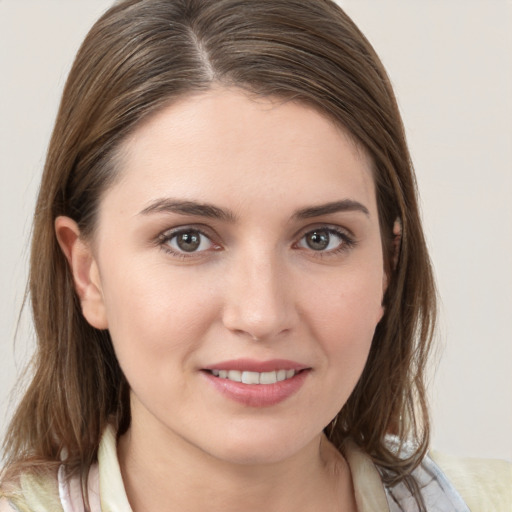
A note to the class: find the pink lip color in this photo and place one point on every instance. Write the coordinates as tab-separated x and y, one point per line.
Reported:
258	395
251	365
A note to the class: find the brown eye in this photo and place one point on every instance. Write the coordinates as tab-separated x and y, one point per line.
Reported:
318	240
190	240
328	240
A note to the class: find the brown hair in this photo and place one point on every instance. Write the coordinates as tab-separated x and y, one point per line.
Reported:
138	57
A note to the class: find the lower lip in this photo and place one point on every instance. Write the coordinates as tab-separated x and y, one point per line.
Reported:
258	395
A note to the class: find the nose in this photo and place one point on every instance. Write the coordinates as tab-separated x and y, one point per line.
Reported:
259	298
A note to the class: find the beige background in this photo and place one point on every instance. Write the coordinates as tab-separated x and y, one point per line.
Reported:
450	62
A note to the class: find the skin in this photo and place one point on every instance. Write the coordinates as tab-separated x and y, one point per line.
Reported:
255	288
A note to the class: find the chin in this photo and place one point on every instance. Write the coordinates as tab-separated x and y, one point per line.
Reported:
259	448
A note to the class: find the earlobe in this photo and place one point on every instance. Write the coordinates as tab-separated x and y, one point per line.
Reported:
84	269
397	241
395	245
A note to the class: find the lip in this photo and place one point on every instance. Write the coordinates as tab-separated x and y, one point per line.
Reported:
252	365
257	395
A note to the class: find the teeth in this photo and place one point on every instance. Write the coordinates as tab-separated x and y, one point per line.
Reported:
281	375
250	377
254	377
235	375
268	378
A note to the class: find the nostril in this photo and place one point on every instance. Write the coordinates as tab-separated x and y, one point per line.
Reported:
257	309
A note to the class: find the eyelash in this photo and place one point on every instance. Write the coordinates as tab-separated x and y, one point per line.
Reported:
164	239
346	241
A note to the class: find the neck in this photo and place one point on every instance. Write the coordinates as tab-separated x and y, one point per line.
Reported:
166	473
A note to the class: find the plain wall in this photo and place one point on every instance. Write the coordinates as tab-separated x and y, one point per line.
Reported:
450	62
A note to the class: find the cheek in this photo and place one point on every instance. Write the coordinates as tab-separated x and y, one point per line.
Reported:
153	316
348	301
341	313
344	314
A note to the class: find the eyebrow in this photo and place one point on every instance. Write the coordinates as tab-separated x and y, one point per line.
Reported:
188	208
346	205
167	205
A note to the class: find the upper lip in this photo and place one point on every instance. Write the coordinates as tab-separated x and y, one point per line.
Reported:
253	365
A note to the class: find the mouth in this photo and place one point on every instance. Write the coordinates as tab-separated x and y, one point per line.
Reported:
257	383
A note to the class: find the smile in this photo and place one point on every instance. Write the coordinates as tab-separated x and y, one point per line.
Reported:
254	383
247	377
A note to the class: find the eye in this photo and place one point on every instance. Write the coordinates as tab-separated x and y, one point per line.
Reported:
187	241
325	240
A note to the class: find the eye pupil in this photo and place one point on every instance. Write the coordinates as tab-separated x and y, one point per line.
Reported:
188	241
318	240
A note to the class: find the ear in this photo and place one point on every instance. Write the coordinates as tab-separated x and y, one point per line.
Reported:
397	242
84	269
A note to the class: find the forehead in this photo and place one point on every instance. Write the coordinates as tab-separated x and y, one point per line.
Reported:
229	145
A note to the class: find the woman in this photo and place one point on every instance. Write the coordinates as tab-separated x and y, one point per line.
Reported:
230	285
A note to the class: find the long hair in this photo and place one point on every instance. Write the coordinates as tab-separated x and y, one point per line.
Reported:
140	56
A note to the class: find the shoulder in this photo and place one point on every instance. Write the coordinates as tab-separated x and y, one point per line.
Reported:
454	484
484	484
4	505
31	492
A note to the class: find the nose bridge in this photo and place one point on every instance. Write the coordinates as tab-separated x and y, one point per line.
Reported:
258	301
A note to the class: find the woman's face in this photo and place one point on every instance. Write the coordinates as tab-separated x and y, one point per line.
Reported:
241	242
